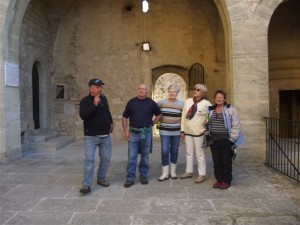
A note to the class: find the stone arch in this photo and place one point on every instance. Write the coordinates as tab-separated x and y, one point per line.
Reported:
158	71
46	121
226	23
160	90
180	71
10	121
284	57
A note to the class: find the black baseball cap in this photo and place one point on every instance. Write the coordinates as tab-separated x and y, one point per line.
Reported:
96	81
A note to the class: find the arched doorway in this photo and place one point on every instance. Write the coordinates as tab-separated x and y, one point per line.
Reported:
35	97
284	58
164	81
161	85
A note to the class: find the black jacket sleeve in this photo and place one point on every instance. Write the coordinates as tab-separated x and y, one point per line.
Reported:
86	108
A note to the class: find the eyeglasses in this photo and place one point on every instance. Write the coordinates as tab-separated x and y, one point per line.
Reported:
197	89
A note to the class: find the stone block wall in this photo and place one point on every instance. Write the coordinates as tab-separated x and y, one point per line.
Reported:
89	44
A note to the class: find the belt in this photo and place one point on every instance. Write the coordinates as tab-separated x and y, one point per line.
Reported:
142	130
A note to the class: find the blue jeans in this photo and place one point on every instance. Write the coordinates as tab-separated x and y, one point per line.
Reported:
169	149
90	144
138	145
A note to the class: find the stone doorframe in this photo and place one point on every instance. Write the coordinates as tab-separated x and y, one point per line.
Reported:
45	100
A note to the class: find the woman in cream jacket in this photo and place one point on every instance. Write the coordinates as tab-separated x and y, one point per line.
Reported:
194	114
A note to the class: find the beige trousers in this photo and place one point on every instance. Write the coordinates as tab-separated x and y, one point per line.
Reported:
195	143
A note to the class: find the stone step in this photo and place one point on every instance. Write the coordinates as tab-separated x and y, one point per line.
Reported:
52	144
44	136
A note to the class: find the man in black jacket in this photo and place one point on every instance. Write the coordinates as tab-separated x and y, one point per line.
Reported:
98	124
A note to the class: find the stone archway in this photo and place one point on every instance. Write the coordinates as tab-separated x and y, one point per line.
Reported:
42	88
10	124
164	81
284	58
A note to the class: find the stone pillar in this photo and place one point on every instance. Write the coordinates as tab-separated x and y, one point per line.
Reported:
11	16
249	23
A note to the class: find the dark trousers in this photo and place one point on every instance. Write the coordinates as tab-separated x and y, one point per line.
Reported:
222	157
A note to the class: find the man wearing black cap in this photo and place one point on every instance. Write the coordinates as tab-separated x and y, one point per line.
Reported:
98	124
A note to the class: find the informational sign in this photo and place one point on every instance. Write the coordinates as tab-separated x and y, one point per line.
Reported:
11	75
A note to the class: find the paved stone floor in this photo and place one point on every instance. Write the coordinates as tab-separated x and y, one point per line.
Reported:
42	188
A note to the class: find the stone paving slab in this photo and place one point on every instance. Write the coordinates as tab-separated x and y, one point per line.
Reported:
39	218
267	220
208	193
4	188
120	206
238	206
147	192
102	219
30	169
170	219
180	206
37	179
68	170
42	189
67	205
39	191
98	192
17	204
283	205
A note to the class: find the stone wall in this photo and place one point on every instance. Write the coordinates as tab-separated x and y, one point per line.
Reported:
89	44
35	49
78	40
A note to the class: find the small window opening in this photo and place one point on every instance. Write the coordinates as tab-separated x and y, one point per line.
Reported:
60	92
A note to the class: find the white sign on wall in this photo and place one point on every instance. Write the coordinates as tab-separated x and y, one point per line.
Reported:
11	75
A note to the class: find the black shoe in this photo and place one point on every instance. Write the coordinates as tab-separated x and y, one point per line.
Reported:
85	189
144	180
128	183
103	183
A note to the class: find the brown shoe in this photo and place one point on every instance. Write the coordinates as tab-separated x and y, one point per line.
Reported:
224	185
103	183
200	179
186	175
128	183
85	189
217	184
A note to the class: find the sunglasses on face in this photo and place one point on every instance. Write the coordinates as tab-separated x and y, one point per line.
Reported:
196	89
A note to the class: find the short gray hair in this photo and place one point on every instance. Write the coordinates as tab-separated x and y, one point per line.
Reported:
202	88
172	86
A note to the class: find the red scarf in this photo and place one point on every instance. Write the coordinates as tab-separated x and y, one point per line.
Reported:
193	109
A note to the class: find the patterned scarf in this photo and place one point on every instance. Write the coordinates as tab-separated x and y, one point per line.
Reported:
193	109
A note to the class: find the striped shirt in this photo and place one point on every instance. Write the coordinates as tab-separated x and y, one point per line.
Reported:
171	117
218	130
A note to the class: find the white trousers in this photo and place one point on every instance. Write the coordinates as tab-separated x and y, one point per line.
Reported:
192	143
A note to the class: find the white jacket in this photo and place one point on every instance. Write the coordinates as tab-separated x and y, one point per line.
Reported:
194	127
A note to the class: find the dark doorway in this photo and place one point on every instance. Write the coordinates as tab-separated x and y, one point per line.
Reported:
35	97
289	111
290	105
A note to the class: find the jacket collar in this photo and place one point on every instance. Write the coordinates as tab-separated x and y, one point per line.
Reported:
227	105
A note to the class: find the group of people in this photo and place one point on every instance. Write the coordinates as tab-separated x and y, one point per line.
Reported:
190	121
